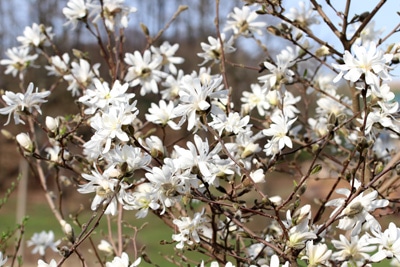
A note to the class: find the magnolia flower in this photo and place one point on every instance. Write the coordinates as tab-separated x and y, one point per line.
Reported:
372	63
104	185
81	76
388	243
216	264
243	22
167	52
75	11
280	73
172	86
42	241
133	157
123	261
368	34
35	36
19	103
213	51
316	255
304	17
199	158
163	114
255	99
168	183
195	98
3	260
143	199
58	65
144	71
102	97
258	176
106	247
189	229
233	123
357	212
19	60
42	263
354	251
300	234
279	130
114	13
109	126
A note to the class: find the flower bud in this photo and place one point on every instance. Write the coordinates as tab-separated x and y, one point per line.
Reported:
25	142
52	124
105	247
68	231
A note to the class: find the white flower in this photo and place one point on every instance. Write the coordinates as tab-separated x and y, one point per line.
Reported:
42	263
355	251
109	125
35	36
103	184
102	97
243	22
195	98
19	60
52	124
358	210
163	114
58	65
213	51
368	34
25	141
199	157
144	71
189	229
132	156
143	199
122	261
280	73
233	123
305	17
258	176
115	13
105	247
42	241
372	63
279	130
216	264
167	52
299	234
317	254
276	263
255	99
388	243
81	76
3	260
168	183
172	86
75	11
18	103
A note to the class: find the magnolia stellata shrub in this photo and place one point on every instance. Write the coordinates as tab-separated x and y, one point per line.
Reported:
208	158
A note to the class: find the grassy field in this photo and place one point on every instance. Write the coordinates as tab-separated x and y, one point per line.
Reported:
41	219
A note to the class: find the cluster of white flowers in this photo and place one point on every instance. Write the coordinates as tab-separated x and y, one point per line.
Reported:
198	159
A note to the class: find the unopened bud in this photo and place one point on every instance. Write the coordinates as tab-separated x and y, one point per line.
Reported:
68	231
7	134
52	124
105	247
25	142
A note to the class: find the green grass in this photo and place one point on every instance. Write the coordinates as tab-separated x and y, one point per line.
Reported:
41	219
